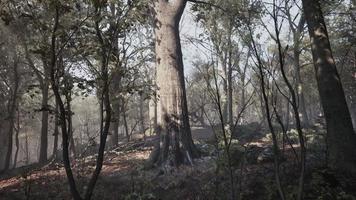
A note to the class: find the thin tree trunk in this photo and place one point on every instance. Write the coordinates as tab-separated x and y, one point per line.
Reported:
276	150
287	117
302	105
226	140
153	114
70	129
142	117
106	108
243	87
9	147
12	110
62	111
293	102
297	31
27	150
44	120
17	142
126	126
230	99
55	133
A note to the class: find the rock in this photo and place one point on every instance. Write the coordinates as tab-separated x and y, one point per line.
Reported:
248	132
237	153
206	149
267	155
252	153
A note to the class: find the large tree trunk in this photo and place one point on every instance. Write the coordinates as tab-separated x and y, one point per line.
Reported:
353	74
353	87
114	138
341	139
176	144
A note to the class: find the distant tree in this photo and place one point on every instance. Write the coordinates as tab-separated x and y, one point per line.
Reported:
10	87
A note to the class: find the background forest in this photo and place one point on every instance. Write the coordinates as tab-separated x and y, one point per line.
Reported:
178	99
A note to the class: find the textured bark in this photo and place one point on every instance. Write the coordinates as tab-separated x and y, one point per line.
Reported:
114	138
4	142
115	86
142	117
116	110
229	78
341	138
243	83
55	133
176	144
153	114
352	92
70	125
124	118
353	114
44	120
17	141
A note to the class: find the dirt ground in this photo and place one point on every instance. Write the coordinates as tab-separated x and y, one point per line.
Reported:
123	177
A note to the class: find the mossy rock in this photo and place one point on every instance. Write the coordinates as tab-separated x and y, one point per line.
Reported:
237	153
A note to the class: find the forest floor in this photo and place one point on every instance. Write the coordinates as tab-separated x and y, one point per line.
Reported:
123	177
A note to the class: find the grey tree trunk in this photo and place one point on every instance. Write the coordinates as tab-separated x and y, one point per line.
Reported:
124	118
56	132
142	117
242	104
341	138
12	106
114	138
4	142
176	144
353	90
17	140
297	31
300	91
229	81
44	84
152	114
44	121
